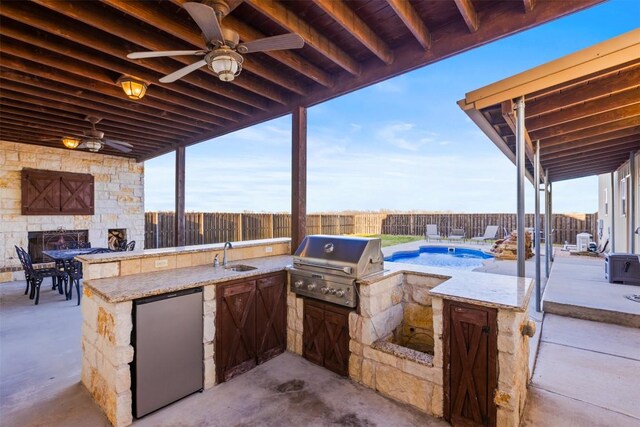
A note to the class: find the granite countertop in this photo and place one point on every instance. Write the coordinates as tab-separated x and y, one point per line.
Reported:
486	289
147	253
126	288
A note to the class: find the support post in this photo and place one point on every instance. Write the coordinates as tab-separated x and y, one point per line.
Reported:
632	203
612	210
536	227
547	225
298	177
551	215
179	220
520	163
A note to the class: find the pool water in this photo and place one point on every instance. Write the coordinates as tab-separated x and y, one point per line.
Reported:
442	256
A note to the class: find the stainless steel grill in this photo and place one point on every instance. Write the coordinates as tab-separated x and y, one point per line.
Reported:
327	267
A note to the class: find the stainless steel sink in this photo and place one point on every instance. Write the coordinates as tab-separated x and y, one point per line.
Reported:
240	267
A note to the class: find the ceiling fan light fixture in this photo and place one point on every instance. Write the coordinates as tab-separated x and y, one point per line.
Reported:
70	142
226	64
134	88
93	145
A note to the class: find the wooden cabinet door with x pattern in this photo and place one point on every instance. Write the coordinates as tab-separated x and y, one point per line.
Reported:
471	354
271	332
326	335
236	329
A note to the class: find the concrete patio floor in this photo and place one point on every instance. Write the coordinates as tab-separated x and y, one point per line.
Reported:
40	382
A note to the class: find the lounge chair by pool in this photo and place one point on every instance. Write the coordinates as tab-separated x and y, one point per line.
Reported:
490	233
456	234
431	233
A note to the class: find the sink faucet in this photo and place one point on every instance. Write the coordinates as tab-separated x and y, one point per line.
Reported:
224	256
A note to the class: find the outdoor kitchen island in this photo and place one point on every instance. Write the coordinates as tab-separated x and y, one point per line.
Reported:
397	335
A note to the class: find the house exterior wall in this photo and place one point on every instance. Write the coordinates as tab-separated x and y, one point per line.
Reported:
119	198
613	206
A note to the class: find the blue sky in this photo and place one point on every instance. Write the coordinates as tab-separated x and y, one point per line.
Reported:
402	144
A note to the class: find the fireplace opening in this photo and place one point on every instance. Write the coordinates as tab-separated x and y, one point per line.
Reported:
117	238
54	239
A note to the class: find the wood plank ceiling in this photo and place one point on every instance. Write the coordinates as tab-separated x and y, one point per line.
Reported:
586	126
60	60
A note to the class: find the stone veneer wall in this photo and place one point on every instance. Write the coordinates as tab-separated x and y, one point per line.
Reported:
119	198
106	327
295	322
383	307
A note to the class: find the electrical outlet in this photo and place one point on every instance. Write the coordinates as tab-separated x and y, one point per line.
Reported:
268	249
162	263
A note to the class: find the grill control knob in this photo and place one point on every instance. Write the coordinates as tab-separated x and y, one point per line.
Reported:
325	290
339	294
332	291
298	283
311	286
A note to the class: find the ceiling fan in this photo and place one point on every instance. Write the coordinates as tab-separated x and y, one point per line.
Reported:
223	53
93	139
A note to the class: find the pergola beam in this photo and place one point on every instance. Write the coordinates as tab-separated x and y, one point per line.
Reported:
594	132
529	5
619	137
468	12
344	16
588	108
600	119
412	21
312	37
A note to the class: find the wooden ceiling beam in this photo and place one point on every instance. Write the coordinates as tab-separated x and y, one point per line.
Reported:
70	129
224	96
175	28
348	20
529	5
36	136
611	116
468	12
630	142
589	108
26	94
626	135
590	90
597	154
412	21
285	18
71	120
593	132
561	174
95	61
154	41
128	121
20	139
74	79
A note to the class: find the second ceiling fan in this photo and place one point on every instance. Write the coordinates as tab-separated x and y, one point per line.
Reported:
223	53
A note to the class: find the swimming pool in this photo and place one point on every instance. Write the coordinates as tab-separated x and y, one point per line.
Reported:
442	256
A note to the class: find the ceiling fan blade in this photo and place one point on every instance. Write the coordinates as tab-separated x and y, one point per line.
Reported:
206	19
118	145
284	41
170	78
156	54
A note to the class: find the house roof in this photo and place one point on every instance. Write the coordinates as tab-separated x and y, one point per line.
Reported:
60	61
583	108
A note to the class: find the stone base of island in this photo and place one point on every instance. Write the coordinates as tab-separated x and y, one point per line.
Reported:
404	332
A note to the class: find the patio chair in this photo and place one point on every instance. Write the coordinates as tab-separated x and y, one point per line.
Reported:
122	245
431	233
131	245
35	276
73	269
456	234
490	233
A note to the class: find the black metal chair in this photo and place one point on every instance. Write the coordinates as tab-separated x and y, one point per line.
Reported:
73	269
84	245
131	245
35	276
122	245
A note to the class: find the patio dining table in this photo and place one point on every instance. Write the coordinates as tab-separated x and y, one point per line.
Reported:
58	255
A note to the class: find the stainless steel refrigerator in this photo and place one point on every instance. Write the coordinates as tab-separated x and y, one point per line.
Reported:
167	340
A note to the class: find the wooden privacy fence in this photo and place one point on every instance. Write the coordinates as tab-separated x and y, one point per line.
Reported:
216	227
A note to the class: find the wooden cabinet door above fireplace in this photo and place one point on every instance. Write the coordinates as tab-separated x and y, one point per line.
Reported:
56	193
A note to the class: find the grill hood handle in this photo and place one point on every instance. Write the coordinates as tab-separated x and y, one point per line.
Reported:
345	270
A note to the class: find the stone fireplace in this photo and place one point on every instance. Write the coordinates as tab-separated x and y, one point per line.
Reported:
54	239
